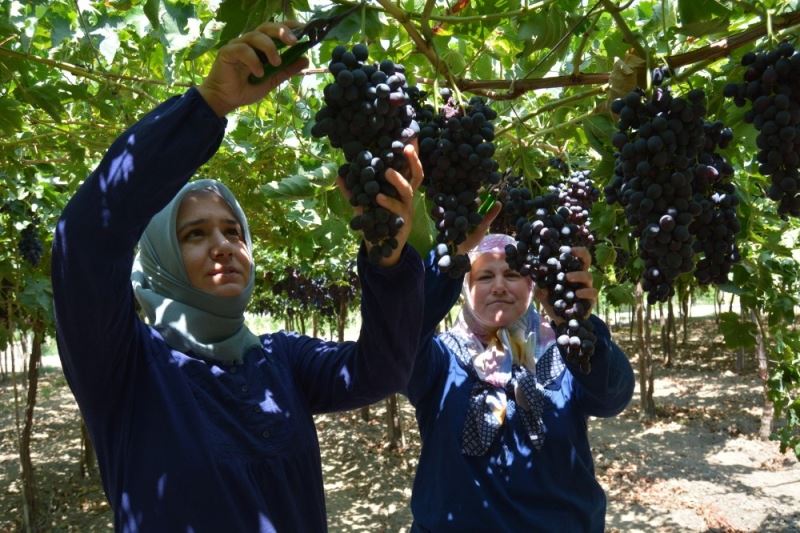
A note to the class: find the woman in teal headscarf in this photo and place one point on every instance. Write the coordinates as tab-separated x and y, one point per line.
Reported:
199	424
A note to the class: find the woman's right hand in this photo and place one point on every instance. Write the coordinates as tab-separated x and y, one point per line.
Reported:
226	87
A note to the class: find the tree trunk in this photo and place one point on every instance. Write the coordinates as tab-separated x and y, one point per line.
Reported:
28	480
767	413
645	357
394	431
632	322
314	325
670	334
341	320
88	458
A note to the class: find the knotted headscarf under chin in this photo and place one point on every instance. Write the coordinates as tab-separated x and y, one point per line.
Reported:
505	362
190	320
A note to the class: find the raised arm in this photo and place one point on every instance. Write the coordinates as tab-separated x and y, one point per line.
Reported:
97	328
343	376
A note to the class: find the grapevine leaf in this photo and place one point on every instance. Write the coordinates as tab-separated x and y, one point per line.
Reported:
422	229
700	10
151	9
605	255
737	334
301	186
10	116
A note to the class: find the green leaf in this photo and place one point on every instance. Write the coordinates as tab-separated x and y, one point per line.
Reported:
423	229
599	129
700	10
622	294
737	334
10	116
37	295
605	255
151	9
301	186
704	28
43	97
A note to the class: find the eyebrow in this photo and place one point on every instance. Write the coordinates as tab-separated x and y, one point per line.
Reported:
200	221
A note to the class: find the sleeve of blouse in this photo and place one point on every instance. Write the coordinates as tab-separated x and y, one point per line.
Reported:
441	294
93	248
608	388
336	376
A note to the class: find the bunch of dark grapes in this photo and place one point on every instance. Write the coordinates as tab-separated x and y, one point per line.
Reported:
543	251
559	164
367	114
456	151
517	201
772	85
29	245
716	226
659	141
659	74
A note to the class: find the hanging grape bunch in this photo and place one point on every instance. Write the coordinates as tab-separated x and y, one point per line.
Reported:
659	141
772	86
517	202
559	164
29	245
456	151
367	114
543	251
715	228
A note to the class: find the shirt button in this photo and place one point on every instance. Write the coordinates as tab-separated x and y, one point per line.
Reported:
245	388
266	433
232	370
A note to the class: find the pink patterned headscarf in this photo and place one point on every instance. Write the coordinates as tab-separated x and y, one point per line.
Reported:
491	243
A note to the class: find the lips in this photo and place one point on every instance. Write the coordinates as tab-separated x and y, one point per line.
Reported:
228	270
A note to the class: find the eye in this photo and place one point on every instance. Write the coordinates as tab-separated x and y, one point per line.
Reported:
234	232
194	233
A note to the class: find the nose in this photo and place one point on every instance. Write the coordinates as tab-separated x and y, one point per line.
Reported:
221	246
498	285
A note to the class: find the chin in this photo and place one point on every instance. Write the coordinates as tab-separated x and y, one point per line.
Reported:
226	291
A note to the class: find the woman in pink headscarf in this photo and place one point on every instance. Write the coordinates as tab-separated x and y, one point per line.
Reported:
502	417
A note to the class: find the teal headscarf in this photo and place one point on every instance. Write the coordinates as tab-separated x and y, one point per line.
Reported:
189	319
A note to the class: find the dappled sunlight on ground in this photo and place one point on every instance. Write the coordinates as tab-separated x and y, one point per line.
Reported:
698	466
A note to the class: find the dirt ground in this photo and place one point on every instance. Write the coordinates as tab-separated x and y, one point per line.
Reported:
699	466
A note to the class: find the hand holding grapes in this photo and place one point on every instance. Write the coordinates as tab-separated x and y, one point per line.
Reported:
403	205
581	277
226	86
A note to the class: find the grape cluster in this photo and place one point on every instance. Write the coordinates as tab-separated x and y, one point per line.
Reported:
517	201
318	294
367	113
30	246
659	74
659	141
716	226
772	85
544	251
456	151
559	164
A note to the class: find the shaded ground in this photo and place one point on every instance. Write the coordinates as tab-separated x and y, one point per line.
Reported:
698	466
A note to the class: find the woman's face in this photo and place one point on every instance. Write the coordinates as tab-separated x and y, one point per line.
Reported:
499	295
212	245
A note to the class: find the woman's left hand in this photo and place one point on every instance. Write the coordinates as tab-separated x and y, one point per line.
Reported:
403	205
578	277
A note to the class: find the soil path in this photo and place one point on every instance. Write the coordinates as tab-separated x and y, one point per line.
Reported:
698	466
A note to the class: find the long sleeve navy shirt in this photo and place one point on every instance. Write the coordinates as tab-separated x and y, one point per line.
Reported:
513	487
185	444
